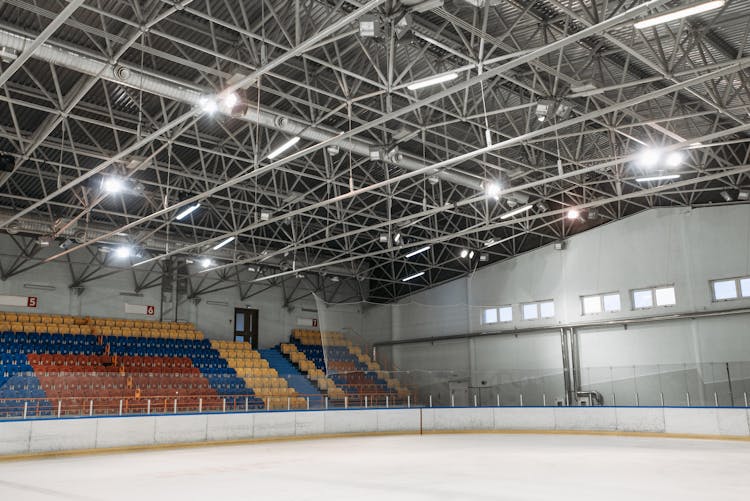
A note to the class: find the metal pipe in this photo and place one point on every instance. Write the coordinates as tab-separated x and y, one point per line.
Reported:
185	92
623	322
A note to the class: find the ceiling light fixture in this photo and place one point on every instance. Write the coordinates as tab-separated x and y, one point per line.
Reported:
281	149
726	196
185	213
679	14
674	159
471	255
432	81
230	100
112	184
223	243
412	277
397	238
665	177
516	212
206	262
649	158
464	253
123	252
573	214
418	251
492	189
208	105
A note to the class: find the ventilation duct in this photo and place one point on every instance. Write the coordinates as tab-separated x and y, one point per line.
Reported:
184	92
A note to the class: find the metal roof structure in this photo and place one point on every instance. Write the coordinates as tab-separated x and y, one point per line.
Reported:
548	105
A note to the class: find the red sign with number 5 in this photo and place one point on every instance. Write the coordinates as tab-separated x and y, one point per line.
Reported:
31	301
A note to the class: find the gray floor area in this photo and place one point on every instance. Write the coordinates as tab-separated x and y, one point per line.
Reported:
476	467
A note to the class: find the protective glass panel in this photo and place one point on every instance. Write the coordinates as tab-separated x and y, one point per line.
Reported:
239	321
530	311
725	289
611	302
489	316
643	299
665	296
547	309
592	304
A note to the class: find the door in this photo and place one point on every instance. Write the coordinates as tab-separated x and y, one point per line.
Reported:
246	326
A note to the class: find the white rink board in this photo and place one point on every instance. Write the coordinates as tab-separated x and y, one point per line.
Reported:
20	437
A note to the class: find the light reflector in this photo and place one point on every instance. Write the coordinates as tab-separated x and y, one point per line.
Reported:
516	212
412	277
281	149
432	81
223	243
113	184
665	177
418	251
185	213
679	14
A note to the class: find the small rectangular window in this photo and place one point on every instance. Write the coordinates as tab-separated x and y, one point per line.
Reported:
725	289
665	296
611	302
745	287
489	316
530	311
547	309
643	299
506	313
592	305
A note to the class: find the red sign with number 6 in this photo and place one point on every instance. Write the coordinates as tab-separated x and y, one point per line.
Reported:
150	310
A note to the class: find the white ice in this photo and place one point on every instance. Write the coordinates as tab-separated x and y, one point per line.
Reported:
475	467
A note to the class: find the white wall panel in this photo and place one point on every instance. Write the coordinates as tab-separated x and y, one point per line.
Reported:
351	421
309	423
516	418
698	421
126	431
463	419
274	424
648	420
63	434
590	418
176	429
76	434
397	420
229	426
15	437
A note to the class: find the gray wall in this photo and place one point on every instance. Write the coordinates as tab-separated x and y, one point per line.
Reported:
106	297
684	247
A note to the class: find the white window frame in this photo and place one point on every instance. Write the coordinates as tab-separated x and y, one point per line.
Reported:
498	315
538	306
652	290
484	316
737	288
600	297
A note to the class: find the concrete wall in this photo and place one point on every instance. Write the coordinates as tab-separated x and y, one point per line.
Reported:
23	437
672	246
106	296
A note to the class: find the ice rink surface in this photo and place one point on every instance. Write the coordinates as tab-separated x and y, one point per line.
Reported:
472	467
